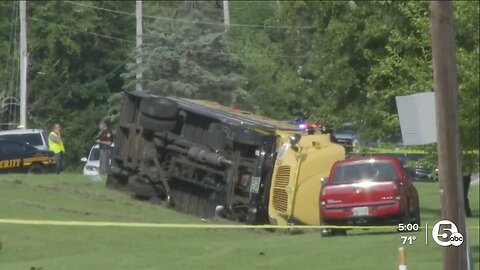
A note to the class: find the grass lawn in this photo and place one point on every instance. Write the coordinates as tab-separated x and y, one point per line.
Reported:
75	197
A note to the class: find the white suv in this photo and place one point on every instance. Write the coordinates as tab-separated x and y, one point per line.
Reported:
34	137
92	162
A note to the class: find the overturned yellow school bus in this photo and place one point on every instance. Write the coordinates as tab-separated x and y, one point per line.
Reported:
206	159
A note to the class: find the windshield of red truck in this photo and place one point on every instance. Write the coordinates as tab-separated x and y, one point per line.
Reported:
365	171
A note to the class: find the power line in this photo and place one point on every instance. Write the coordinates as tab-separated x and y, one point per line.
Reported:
158	47
83	31
10	55
109	74
188	21
94	34
15	71
170	48
11	93
9	47
225	53
106	76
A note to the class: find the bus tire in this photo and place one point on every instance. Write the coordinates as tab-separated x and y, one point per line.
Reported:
159	108
153	124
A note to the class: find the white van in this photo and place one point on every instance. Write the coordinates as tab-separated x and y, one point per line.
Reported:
34	137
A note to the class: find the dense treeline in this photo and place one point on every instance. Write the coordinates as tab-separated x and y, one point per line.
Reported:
333	61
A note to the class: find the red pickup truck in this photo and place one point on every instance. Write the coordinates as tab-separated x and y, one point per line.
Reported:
368	191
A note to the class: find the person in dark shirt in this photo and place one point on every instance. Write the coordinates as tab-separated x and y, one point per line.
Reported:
469	166
467	179
104	140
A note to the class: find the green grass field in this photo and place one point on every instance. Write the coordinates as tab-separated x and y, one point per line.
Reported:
75	197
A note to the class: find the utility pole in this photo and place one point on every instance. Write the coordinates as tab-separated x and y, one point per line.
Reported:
448	131
226	14
23	63
139	15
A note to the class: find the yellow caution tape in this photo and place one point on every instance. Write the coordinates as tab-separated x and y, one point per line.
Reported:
182	226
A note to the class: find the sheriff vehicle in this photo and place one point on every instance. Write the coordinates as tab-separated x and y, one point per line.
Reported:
18	157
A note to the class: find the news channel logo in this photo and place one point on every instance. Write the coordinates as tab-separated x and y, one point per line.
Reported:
445	233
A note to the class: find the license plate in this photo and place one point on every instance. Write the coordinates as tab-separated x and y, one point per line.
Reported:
360	211
255	184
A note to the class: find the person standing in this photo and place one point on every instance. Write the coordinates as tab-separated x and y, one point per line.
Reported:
104	140
469	163
467	179
55	144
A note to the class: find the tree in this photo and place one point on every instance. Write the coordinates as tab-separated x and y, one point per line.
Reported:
405	68
270	65
334	61
9	55
77	53
360	55
347	40
188	59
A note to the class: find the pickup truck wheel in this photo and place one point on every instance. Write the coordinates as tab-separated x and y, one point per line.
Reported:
154	124
416	218
324	232
36	169
406	217
159	108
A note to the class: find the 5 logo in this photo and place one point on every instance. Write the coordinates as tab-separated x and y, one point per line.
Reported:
445	233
